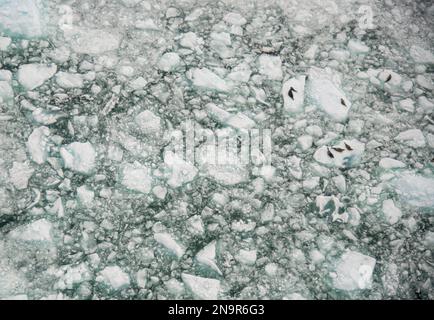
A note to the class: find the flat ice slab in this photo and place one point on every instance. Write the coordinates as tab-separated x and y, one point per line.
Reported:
293	94
202	288
39	230
353	271
21	18
31	76
323	90
415	189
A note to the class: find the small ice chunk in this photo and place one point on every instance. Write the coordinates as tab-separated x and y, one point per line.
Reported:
202	288
267	213
388	163
207	256
240	121
20	174
206	79
195	225
68	80
293	94
4	43
241	73
37	144
181	171
136	177
326	95
412	138
421	55
357	47
6	91
114	277
170	61
391	213
79	157
31	76
39	230
85	196
191	41
305	142
353	271
407	105
167	241
424	82
247	257
138	83
270	66
148	122
235	19
294	167
417	190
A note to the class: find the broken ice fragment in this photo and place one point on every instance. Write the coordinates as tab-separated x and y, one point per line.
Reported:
353	271
421	55
412	138
85	196
247	257
270	66
181	171
202	288
415	189
68	80
31	76
357	47
293	94
206	79
148	122
167	241
169	62
136	177
325	93
114	277
392	214
20	174
39	230
347	158
79	157
207	256
235	19
388	163
37	144
21	18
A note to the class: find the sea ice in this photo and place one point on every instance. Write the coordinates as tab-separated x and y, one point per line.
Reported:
136	177
353	271
202	288
415	189
392	213
20	174
31	76
114	277
21	17
323	91
412	138
206	79
207	256
39	230
79	157
68	80
270	66
37	144
293	94
167	241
